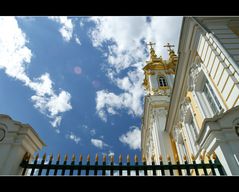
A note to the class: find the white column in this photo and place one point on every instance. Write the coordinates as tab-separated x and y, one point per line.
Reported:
164	141
15	140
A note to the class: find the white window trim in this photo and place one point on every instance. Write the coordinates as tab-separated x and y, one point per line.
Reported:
201	98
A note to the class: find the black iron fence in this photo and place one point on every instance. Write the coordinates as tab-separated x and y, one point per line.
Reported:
48	167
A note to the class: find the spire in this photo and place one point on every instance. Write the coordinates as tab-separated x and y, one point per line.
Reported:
152	52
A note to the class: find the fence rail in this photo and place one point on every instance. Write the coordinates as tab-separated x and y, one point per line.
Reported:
43	167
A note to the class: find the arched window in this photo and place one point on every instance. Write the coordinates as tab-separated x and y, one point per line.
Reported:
162	82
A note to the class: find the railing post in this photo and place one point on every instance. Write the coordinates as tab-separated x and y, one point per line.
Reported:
120	165
170	165
211	164
186	165
96	164
195	164
34	165
218	164
49	164
153	165
178	165
72	164
64	163
80	164
111	165
104	165
203	166
87	165
57	163
42	163
144	166
136	165
161	165
128	165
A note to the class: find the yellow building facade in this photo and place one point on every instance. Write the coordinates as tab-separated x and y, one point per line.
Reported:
197	94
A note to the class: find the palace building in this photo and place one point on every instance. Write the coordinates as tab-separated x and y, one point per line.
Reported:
191	107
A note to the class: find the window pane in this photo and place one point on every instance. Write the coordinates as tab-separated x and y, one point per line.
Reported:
211	97
162	82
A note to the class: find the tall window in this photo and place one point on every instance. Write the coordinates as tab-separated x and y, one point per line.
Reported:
162	82
211	98
193	129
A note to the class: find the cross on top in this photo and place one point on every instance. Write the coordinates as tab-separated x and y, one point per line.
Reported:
169	46
151	44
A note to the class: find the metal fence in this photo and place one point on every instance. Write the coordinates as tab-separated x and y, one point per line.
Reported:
49	167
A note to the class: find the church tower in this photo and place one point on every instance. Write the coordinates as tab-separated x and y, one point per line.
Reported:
158	84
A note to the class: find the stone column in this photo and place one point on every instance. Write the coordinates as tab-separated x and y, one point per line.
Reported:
15	140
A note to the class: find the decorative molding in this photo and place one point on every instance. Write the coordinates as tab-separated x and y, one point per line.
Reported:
185	106
161	112
194	71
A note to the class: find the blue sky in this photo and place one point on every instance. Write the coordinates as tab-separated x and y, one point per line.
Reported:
78	80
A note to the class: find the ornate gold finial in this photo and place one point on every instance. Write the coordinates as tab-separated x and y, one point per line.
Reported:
185	158
176	158
152	158
144	158
88	157
201	157
120	158
168	158
208	156
51	157
160	157
66	157
214	156
25	157
128	158
96	157
37	156
135	158
44	157
58	157
81	157
169	47
73	158
28	157
152	52
112	158
192	157
104	158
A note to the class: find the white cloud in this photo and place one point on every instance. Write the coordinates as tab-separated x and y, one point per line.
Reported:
102	114
98	143
73	137
67	26
77	40
123	37
57	131
132	138
15	57
92	132
85	126
56	122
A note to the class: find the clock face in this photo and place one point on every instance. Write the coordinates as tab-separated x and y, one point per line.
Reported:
2	134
